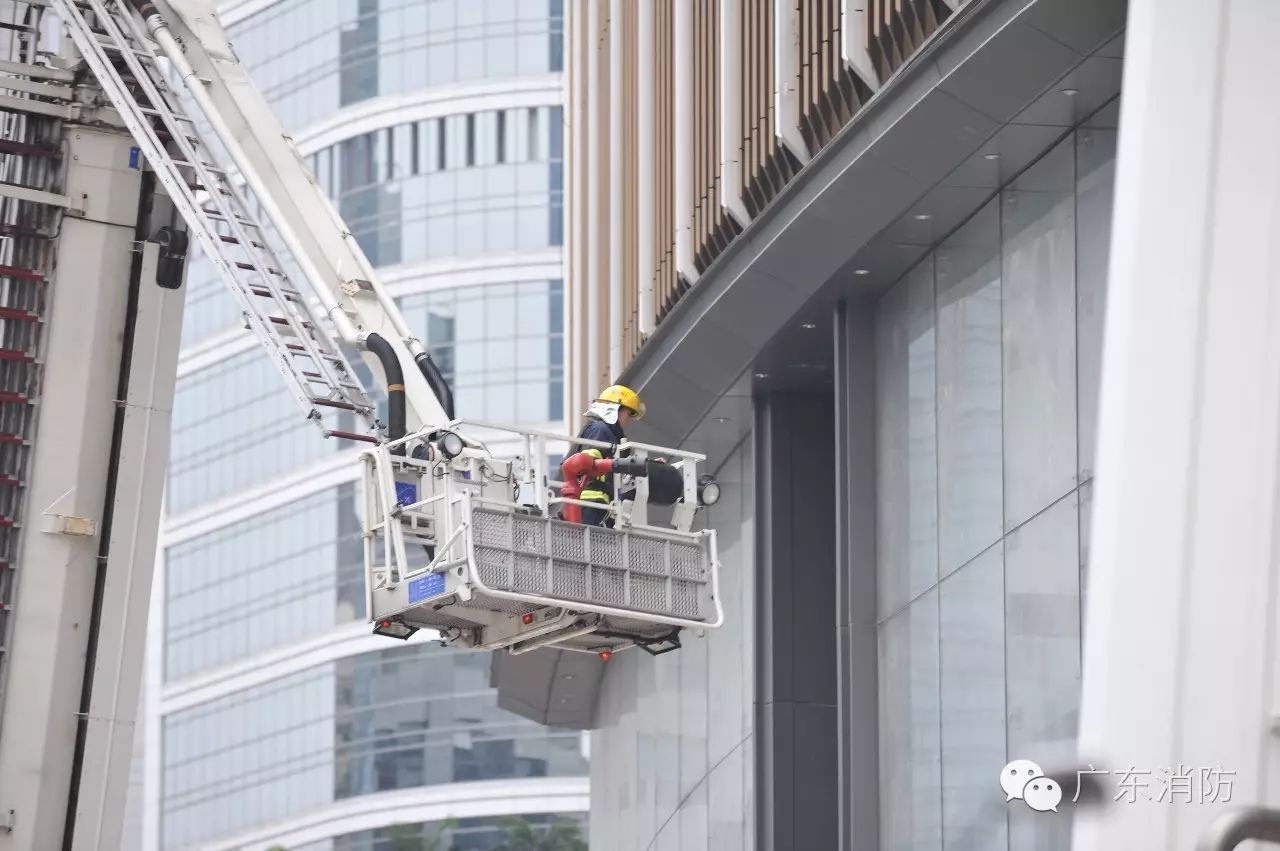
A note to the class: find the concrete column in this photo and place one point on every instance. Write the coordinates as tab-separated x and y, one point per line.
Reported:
68	472
1182	653
796	722
857	677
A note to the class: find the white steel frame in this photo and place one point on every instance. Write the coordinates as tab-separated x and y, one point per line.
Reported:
383	524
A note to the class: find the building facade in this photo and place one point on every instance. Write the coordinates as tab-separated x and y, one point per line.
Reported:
863	269
273	717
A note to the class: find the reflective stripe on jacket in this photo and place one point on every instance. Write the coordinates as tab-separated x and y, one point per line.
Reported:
601	490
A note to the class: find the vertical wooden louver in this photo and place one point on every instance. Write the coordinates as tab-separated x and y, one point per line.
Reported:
766	165
753	73
577	267
713	229
666	283
626	147
830	94
897	28
600	216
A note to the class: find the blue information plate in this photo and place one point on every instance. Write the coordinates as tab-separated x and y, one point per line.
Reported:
426	587
406	493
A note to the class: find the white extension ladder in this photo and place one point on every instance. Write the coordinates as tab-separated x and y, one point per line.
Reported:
110	35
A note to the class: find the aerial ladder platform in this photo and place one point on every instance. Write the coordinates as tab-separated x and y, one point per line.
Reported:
140	139
457	539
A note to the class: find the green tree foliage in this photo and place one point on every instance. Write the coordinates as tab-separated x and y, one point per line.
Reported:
405	837
563	835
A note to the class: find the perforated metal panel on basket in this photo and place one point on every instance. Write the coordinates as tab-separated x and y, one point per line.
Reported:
593	565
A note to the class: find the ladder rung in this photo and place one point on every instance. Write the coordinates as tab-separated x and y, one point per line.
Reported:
15	355
231	240
207	166
18	230
280	320
249	267
348	435
200	187
111	45
146	110
214	214
298	349
335	403
291	295
164	134
18	314
21	149
315	376
16	272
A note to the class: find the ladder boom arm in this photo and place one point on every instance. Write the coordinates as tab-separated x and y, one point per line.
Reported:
190	34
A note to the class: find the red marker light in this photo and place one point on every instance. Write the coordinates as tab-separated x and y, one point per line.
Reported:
527	617
384	624
606	655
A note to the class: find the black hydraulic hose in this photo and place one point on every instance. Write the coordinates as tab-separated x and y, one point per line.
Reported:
395	386
435	379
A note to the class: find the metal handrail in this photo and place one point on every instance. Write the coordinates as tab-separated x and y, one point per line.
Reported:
1230	829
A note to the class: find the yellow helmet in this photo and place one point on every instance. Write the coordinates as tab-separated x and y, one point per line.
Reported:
624	396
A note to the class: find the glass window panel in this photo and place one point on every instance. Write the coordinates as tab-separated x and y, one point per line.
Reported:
503	54
404	159
383	153
500	135
222	584
519	123
500	357
469	125
469	364
429	145
1095	183
534	138
239	426
324	170
501	310
555	129
1086	521
973	711
486	138
907	551
455	141
1039	335
1042	629
970	490
470	233
533	314
500	230
910	752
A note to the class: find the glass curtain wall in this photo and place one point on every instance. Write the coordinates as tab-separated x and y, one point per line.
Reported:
310	59
988	356
472	834
395	719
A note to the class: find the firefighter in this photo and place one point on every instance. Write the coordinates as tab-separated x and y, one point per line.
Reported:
613	410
